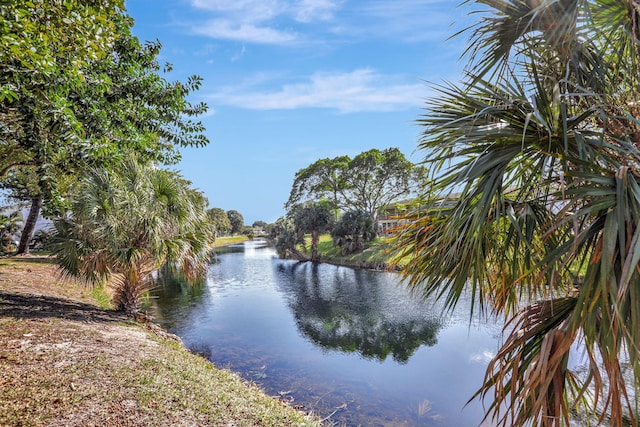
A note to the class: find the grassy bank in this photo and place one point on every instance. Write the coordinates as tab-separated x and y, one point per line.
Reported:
67	361
374	256
230	240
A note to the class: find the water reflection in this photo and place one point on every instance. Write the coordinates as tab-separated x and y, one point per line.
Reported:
173	297
356	311
351	345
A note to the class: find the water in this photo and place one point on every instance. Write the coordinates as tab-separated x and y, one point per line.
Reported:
349	345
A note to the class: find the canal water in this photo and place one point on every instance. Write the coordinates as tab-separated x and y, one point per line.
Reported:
352	346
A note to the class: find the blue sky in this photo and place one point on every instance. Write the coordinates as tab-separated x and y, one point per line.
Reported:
289	82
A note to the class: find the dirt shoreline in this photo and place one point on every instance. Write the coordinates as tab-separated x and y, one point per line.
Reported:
67	362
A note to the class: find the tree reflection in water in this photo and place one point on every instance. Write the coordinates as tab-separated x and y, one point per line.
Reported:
357	311
171	295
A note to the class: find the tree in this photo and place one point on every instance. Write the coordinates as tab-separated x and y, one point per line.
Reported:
353	229
9	225
220	221
42	239
286	239
237	221
324	179
313	218
367	182
534	166
126	224
43	47
259	224
66	118
377	178
248	231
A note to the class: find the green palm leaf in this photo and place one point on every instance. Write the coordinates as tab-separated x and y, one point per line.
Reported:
534	204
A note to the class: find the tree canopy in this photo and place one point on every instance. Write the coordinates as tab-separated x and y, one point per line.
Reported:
534	204
78	90
353	229
314	218
220	221
367	182
236	220
126	223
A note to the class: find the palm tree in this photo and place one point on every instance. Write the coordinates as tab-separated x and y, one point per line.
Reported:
9	225
534	204
314	218
127	223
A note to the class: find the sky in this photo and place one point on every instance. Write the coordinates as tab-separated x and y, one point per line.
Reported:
289	82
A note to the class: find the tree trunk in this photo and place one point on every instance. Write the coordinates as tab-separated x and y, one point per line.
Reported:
315	239
29	225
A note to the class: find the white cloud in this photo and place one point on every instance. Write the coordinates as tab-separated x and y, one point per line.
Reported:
258	21
356	91
312	10
482	357
247	32
247	10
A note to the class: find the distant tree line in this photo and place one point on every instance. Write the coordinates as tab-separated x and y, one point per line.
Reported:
229	222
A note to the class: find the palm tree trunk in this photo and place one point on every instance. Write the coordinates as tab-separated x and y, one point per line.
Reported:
29	225
315	239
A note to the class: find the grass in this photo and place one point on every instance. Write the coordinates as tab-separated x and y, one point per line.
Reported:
230	240
375	254
101	297
66	361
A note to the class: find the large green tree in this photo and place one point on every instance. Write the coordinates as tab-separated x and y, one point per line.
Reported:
236	220
126	223
44	45
220	221
84	108
369	181
323	179
376	178
535	204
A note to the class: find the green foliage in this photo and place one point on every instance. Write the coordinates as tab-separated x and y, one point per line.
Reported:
220	221
248	231
286	237
9	224
353	229
314	218
236	220
42	240
78	91
323	180
44	48
127	223
367	182
43	35
533	161
376	178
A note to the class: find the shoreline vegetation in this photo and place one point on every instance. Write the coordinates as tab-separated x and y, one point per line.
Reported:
374	256
68	360
229	240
